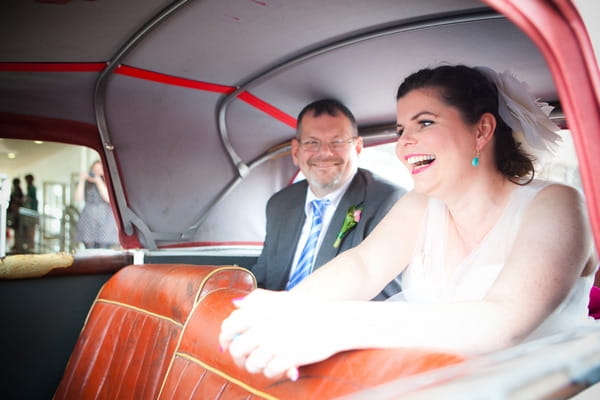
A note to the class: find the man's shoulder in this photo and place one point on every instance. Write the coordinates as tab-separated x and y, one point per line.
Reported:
291	191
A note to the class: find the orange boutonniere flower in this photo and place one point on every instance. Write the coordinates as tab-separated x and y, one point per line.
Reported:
352	217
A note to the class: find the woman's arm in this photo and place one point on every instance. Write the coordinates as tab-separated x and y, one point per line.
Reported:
80	189
361	272
358	273
552	249
102	189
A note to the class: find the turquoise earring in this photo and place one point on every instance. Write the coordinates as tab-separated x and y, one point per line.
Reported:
475	160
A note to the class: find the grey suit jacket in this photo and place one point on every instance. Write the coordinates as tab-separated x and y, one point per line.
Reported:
285	218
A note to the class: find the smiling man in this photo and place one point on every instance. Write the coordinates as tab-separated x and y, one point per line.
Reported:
332	210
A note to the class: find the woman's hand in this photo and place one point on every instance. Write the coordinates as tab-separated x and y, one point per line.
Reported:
84	176
274	333
98	180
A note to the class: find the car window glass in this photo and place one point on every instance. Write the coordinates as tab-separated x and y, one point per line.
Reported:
52	226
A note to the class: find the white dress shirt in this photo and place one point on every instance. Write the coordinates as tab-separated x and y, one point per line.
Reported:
334	197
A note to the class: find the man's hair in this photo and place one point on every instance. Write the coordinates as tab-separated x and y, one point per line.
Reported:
331	107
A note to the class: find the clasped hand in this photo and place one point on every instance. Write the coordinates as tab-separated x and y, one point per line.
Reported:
274	333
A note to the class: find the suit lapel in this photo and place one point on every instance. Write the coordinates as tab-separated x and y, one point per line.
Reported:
289	234
354	196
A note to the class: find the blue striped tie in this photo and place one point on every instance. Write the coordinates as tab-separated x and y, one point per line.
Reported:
307	257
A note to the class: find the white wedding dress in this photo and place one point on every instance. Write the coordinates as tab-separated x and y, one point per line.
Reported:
427	281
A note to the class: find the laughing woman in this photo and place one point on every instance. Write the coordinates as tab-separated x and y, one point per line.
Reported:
490	256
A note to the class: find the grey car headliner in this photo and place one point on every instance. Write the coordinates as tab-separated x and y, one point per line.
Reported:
178	175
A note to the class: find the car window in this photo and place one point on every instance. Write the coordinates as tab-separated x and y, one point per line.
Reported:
50	225
563	167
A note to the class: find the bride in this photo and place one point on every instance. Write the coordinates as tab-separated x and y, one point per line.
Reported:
490	256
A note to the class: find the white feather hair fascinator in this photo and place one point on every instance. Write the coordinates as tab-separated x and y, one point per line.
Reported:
527	116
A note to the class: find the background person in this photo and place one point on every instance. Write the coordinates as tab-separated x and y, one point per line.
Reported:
96	227
31	200
32	220
12	214
326	150
491	257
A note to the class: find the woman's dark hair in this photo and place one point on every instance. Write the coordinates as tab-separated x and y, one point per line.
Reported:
473	94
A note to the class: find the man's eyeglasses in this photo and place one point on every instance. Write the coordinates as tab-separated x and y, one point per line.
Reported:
314	145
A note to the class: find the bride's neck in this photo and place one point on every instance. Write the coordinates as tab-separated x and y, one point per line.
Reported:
473	214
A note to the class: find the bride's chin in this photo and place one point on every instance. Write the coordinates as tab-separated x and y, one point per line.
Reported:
422	188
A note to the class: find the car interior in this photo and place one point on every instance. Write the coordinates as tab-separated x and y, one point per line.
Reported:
191	106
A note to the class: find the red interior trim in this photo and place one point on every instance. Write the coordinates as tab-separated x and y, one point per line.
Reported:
268	109
154	77
52	67
210	87
30	127
172	80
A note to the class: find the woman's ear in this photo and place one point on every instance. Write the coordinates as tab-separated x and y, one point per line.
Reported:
485	129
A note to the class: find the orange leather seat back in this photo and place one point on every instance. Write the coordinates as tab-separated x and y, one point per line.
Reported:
134	326
201	371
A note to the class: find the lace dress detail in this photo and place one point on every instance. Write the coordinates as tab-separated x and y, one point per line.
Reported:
427	280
